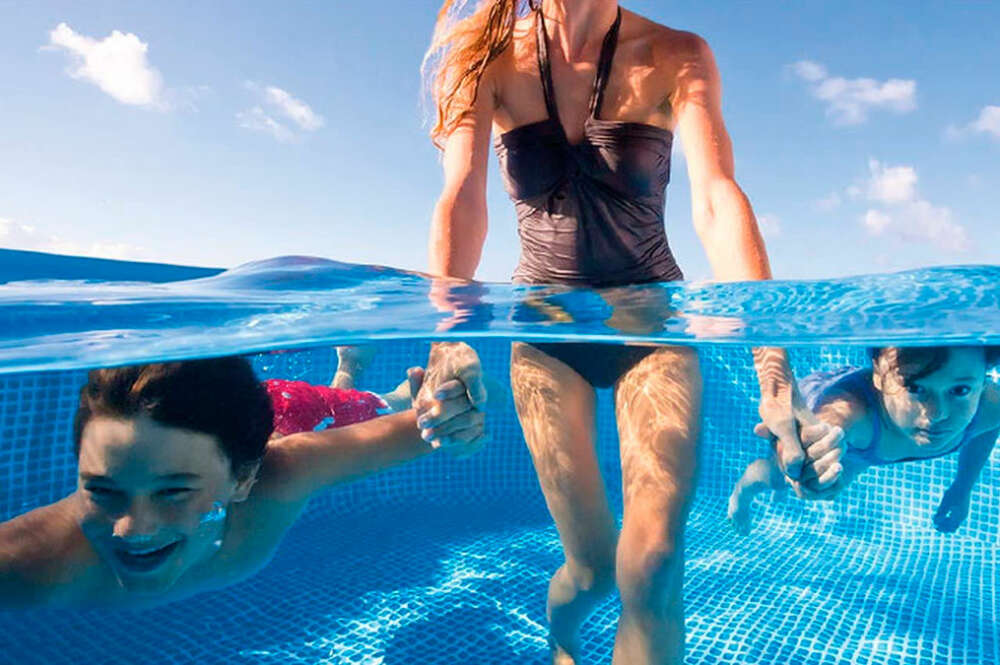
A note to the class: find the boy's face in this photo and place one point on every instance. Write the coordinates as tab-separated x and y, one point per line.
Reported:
153	498
934	410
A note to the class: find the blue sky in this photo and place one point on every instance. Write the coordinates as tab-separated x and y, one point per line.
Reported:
867	134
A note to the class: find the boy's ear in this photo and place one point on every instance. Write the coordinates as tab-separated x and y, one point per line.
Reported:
245	480
877	379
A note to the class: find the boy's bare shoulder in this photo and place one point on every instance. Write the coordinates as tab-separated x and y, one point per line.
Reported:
42	552
848	411
989	408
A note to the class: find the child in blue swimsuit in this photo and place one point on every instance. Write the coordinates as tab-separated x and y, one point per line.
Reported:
912	404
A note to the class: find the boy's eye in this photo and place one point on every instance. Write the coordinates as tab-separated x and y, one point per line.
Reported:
175	492
914	389
961	391
105	494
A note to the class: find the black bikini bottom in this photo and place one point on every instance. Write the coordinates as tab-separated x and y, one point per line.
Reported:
600	365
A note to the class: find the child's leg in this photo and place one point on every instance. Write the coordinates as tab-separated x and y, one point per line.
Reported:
762	474
351	362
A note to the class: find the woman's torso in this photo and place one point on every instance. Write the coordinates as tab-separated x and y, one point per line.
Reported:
584	152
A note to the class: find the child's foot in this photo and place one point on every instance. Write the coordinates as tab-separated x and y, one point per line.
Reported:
351	362
739	513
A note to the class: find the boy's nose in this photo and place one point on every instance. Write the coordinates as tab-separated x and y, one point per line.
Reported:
137	523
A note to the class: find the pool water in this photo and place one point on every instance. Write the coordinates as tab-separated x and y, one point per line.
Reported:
447	561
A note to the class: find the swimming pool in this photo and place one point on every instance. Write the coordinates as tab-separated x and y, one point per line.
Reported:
446	561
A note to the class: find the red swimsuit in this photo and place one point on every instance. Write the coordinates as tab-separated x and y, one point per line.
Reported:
302	407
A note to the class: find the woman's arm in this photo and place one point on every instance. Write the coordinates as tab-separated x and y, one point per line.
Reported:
725	224
458	227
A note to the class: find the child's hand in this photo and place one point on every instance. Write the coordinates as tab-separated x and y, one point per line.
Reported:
953	510
825	448
449	402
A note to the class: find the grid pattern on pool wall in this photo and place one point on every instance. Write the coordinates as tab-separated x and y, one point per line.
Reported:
447	560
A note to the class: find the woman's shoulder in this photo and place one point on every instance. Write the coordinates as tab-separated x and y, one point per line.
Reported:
667	43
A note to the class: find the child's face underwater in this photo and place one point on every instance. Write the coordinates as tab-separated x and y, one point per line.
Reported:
934	410
152	499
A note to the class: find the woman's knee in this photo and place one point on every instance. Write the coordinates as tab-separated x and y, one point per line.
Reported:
648	574
595	576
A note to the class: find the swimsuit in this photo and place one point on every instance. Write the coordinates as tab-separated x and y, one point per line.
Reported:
301	407
858	382
591	213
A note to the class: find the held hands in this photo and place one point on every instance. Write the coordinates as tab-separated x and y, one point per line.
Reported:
953	510
449	397
821	467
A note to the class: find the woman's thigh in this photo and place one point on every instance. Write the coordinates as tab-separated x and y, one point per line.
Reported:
556	408
658	408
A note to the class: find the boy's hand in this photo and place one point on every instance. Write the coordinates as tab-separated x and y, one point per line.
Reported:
824	448
450	398
953	510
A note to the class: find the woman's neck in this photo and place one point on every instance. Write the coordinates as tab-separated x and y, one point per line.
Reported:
577	27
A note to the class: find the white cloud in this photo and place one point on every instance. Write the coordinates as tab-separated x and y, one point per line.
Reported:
283	104
14	235
891	184
901	213
116	64
809	71
988	123
769	225
256	119
849	100
294	109
876	221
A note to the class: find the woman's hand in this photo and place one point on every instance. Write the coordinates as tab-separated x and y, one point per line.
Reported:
781	422
821	475
450	398
953	509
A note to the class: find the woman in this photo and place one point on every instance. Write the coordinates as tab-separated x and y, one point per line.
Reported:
584	98
182	489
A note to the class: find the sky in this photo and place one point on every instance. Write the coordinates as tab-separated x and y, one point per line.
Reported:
866	134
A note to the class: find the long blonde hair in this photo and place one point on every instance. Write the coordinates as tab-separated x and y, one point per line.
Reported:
460	51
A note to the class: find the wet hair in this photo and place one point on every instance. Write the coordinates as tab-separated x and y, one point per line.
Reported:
221	397
915	362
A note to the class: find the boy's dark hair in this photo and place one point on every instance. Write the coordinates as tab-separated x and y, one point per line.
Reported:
916	362
221	397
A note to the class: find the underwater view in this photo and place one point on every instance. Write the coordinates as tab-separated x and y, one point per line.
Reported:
556	332
446	559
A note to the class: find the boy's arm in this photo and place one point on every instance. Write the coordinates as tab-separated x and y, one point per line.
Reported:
972	458
954	506
299	465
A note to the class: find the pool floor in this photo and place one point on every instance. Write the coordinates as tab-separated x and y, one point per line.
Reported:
438	583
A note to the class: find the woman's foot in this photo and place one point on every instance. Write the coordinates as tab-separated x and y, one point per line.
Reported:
559	655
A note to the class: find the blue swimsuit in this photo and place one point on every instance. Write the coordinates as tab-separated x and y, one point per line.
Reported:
858	381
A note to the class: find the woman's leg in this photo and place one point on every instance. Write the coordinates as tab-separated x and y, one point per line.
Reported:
761	474
556	409
658	406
